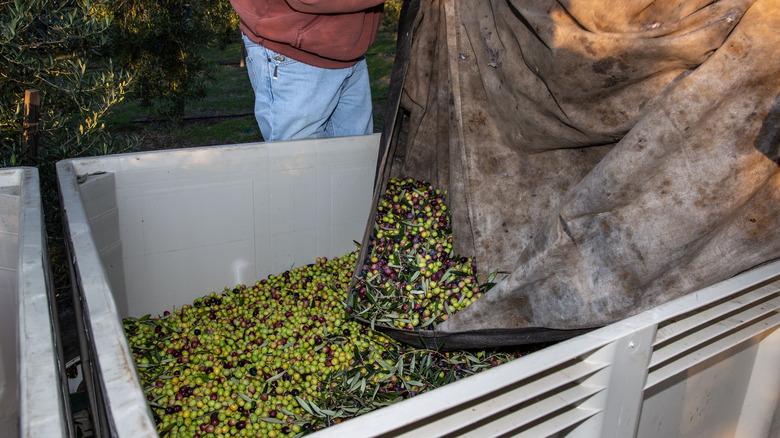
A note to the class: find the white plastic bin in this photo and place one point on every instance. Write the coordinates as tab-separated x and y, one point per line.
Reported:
149	231
153	230
33	395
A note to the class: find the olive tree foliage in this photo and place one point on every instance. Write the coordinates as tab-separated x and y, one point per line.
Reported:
162	43
392	12
57	47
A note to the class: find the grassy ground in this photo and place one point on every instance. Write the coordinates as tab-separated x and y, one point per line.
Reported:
225	116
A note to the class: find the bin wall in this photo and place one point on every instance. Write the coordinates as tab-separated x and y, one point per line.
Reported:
706	362
33	398
188	222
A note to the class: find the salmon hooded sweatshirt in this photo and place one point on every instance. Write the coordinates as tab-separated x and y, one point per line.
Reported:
322	33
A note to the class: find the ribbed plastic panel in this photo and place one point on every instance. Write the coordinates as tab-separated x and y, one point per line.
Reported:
537	406
686	341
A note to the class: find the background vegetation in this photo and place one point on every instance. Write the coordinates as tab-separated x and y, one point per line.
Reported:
59	49
163	43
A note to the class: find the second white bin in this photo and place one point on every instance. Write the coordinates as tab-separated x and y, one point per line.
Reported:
33	393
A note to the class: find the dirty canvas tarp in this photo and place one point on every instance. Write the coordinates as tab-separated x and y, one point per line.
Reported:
608	155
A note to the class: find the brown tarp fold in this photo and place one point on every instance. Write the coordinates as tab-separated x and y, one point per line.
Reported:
608	156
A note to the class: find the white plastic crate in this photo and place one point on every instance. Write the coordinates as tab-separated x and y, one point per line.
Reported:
153	230
33	396
150	231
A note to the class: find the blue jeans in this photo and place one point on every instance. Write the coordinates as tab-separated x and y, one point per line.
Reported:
294	100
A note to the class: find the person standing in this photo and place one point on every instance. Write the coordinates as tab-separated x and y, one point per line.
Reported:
306	63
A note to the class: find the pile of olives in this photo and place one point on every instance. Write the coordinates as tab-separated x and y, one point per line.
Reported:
410	278
284	357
